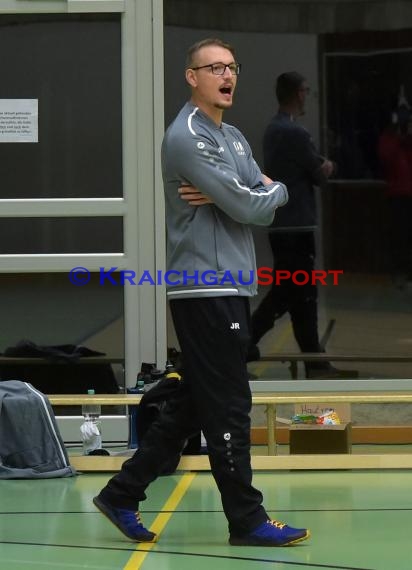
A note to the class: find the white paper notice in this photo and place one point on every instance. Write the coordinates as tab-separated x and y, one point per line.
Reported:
19	120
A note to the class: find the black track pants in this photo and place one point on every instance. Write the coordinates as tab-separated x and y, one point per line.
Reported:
215	396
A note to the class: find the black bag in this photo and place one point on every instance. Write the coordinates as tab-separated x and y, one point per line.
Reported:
149	409
60	369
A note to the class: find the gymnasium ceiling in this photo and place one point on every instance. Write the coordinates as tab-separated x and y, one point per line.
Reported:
290	16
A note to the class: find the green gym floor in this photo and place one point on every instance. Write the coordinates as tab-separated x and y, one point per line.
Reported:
360	520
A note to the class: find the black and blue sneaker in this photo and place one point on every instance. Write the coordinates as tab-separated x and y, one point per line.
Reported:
271	533
127	521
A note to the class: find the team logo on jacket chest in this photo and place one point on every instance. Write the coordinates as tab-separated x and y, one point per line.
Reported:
239	148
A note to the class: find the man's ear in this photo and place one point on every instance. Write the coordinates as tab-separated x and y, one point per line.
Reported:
191	77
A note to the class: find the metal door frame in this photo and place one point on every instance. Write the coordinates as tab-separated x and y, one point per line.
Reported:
142	205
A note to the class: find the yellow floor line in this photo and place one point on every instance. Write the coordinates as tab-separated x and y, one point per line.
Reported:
277	347
137	558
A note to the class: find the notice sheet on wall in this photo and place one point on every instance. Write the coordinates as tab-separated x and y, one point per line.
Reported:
19	120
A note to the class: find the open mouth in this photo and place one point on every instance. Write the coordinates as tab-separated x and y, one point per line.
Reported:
226	90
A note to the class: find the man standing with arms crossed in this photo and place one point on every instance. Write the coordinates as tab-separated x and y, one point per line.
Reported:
214	190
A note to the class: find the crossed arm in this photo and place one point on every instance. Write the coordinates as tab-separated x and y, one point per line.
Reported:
195	197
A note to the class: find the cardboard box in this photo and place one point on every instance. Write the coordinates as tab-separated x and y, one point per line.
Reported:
342	409
307	438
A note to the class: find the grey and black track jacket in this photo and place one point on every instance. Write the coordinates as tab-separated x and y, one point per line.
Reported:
210	249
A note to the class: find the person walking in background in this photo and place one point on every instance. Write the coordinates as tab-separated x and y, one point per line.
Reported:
213	191
291	157
395	153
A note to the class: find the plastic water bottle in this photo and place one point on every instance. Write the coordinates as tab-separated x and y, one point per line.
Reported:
91	427
140	386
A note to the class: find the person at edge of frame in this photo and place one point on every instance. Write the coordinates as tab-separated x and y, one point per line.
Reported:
214	190
290	155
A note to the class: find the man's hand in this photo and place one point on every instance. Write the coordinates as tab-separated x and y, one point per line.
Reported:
327	168
266	180
193	196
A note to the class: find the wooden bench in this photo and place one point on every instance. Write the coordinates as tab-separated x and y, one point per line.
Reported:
294	358
271	394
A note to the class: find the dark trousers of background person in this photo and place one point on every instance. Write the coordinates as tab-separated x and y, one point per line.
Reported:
215	397
292	251
400	238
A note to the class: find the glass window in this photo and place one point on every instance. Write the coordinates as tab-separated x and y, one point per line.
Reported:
61	235
71	64
368	89
47	314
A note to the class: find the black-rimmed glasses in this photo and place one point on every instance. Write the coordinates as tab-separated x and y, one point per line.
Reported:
220	68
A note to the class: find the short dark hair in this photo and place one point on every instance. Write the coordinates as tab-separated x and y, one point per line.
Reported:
192	51
288	85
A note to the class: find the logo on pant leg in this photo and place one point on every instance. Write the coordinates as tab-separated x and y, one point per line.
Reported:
235	326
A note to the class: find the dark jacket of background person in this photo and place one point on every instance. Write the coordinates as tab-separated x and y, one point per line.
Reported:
290	156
